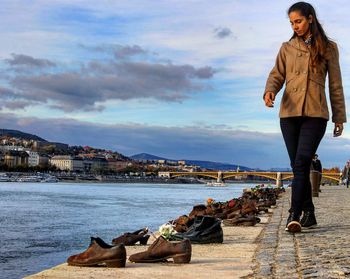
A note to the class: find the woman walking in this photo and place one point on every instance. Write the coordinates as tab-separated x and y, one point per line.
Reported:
302	65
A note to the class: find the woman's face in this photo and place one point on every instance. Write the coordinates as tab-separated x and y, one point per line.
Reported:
300	24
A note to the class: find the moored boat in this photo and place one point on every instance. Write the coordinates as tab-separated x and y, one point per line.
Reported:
216	184
4	178
50	179
29	178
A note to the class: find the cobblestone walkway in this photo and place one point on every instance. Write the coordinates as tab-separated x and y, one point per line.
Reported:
323	252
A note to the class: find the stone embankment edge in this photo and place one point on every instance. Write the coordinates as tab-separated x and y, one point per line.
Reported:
242	255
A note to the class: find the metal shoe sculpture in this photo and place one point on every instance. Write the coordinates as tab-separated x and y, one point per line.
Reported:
129	239
161	250
100	253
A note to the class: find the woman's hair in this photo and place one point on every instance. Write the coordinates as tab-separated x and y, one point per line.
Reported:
320	40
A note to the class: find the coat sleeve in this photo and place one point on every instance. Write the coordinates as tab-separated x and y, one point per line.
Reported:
336	93
277	75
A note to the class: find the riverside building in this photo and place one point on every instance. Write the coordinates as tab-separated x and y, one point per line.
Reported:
67	163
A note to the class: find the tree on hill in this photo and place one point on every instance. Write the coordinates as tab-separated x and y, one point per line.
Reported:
20	135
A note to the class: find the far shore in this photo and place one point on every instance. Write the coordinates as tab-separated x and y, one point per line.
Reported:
90	178
166	181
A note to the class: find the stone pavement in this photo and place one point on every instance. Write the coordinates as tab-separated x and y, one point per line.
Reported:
323	252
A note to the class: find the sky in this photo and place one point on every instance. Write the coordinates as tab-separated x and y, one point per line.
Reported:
178	79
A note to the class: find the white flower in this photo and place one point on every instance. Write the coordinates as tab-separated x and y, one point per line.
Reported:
166	230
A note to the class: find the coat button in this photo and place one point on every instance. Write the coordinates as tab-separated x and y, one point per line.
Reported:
297	72
299	54
303	89
295	89
305	72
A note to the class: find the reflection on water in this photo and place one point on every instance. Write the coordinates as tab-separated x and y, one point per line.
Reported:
42	224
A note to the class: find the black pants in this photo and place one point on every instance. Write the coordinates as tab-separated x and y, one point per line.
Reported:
302	135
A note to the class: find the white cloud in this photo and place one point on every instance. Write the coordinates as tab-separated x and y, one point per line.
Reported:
180	31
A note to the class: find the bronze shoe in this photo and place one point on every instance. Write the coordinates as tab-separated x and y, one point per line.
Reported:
161	250
129	239
198	210
248	220
181	223
249	207
99	253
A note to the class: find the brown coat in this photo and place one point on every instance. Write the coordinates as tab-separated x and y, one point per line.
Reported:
304	93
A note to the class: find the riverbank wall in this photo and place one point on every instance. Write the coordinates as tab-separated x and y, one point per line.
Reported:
231	259
263	251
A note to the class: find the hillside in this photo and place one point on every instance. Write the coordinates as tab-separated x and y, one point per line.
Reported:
19	134
146	156
202	164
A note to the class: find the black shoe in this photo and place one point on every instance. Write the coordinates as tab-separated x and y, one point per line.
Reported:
308	220
293	223
205	229
200	223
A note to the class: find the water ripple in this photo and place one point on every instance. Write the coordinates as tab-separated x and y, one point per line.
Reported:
42	224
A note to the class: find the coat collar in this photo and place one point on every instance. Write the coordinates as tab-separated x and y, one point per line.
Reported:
299	44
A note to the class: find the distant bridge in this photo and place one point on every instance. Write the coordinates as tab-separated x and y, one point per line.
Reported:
221	176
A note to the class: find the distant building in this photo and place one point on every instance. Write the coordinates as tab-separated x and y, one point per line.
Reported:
165	174
116	165
87	165
15	158
99	164
33	159
37	145
191	168
93	162
12	147
44	160
181	162
67	163
145	161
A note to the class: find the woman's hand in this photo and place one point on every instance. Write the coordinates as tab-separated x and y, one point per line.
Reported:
269	99
338	129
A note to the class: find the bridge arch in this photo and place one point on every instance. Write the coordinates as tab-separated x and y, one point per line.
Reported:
252	174
337	179
277	176
287	177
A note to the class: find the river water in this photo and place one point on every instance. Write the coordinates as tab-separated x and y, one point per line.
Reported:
41	224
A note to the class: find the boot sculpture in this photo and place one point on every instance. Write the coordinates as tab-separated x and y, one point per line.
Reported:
98	253
161	250
129	239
